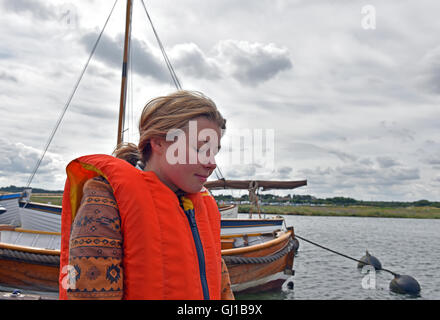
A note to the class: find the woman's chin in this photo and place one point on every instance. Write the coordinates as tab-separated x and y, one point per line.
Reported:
192	188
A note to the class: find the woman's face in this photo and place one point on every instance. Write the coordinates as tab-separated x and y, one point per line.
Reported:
187	158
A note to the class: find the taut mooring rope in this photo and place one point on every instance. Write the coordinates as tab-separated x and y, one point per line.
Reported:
341	254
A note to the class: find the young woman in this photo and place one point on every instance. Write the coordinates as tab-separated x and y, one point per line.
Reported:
140	225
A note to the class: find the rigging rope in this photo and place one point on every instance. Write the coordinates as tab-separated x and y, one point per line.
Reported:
167	61
171	68
66	106
341	254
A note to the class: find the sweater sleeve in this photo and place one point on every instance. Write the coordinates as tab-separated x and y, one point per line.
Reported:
95	250
226	293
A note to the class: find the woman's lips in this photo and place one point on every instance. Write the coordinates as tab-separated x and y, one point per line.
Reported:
201	178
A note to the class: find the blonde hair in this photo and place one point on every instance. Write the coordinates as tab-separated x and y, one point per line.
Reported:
162	114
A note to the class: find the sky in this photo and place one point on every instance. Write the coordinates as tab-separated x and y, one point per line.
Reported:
344	94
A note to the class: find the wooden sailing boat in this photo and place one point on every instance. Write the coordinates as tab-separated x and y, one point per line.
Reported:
259	255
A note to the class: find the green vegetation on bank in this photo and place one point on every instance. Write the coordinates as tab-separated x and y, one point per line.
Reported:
14	189
43	198
292	199
350	211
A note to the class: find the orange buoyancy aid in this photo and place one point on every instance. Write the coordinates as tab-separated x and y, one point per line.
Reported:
167	255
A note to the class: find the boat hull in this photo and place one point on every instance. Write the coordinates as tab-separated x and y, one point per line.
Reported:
38	269
261	267
31	276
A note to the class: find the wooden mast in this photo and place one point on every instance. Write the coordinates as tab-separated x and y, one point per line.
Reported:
124	72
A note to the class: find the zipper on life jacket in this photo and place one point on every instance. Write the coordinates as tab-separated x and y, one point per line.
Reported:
199	248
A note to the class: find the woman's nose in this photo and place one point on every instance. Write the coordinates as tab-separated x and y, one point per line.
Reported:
210	164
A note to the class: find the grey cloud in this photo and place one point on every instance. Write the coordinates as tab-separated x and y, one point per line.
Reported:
18	158
353	177
429	77
356	171
7	77
110	52
284	172
433	160
396	176
313	150
252	63
93	109
193	62
38	9
386	162
249	63
317	172
343	155
240	171
393	129
366	161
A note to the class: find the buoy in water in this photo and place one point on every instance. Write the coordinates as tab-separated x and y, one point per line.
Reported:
368	259
404	284
295	245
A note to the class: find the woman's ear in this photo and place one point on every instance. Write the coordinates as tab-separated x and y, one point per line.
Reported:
158	145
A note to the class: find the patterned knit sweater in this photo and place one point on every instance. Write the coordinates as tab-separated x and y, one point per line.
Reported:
96	247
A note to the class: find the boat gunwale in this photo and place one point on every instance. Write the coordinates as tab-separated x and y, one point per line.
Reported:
27	249
285	236
240	235
8	227
42	205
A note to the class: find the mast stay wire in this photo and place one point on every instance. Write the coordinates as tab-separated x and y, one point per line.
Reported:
69	100
162	49
171	70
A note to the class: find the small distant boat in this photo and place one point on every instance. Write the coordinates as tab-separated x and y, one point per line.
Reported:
228	211
10	213
40	216
20	212
236	227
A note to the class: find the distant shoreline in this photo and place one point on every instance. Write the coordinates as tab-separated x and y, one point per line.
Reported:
350	211
425	212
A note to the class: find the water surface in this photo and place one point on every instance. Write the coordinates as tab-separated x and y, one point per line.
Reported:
404	246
